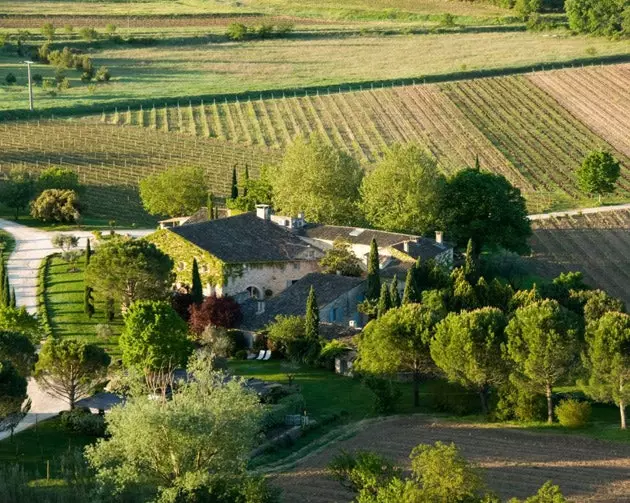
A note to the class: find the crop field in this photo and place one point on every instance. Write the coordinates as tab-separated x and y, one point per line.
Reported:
515	127
598	244
599	97
515	463
110	161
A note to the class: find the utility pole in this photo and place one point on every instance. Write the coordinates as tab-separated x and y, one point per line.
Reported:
30	86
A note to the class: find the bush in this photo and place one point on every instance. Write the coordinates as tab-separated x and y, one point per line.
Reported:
37	79
102	74
236	31
573	413
88	34
10	79
386	393
84	422
289	405
330	351
55	205
222	312
517	403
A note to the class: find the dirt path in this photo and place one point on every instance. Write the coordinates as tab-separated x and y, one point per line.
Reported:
584	211
31	246
515	462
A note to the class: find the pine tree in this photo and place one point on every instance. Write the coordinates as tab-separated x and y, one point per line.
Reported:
373	287
410	294
470	266
210	206
196	291
13	301
311	321
234	193
246	180
88	253
88	302
394	295
384	301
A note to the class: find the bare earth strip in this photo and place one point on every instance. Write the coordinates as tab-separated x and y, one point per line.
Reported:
515	462
599	97
598	244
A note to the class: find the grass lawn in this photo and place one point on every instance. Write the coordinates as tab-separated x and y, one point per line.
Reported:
64	301
32	448
189	67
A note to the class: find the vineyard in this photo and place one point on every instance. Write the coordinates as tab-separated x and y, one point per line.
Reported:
111	161
597	97
515	127
598	244
515	463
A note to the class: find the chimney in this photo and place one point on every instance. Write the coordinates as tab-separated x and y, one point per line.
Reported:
439	237
263	211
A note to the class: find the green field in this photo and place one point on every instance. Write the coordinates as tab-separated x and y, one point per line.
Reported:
63	296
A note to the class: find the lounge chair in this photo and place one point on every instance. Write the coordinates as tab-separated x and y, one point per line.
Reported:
261	355
267	355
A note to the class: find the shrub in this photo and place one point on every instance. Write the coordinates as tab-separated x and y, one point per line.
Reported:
517	403
110	29
265	30
10	79
48	31
363	471
88	34
102	74
330	351
83	421
217	311
573	413
236	31
453	399
37	79
43	51
386	393
241	354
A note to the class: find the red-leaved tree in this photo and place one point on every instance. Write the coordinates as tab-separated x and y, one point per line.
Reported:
216	311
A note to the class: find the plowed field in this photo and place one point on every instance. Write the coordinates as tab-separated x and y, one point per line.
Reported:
515	462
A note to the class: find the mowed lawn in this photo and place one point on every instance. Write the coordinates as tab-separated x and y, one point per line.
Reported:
64	300
187	67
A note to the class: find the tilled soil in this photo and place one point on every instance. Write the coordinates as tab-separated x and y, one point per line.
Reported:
515	462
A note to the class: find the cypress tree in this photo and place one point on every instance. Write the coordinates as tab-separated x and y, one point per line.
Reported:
394	295
210	206
410	295
477	164
311	321
2	274
470	266
13	301
88	302
88	253
384	301
6	290
196	291
246	180
373	287
234	193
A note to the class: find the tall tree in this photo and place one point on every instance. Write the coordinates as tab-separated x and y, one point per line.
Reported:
245	181
6	290
411	293
403	191
18	190
12	390
394	294
399	342
470	265
216	311
598	173
126	270
607	360
311	320
384	301
543	346
88	302
234	189
467	347
373	283
58	178
319	180
210	206
154	338
18	349
88	253
175	192
487	208
13	300
71	369
196	290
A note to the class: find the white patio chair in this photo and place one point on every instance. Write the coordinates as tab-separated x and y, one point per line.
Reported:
261	355
267	355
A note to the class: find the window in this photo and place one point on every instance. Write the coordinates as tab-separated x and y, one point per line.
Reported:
254	292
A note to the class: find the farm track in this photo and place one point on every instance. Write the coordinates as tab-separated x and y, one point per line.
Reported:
515	462
598	244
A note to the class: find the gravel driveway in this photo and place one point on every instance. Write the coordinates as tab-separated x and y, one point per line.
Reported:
31	246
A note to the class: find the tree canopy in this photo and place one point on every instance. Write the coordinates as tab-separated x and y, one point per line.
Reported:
402	192
12	389
598	173
215	311
17	190
341	259
154	338
319	180
601	17
175	192
486	208
71	369
18	349
58	178
57	205
127	270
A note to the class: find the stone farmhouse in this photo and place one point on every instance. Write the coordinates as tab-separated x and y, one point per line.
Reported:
261	255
